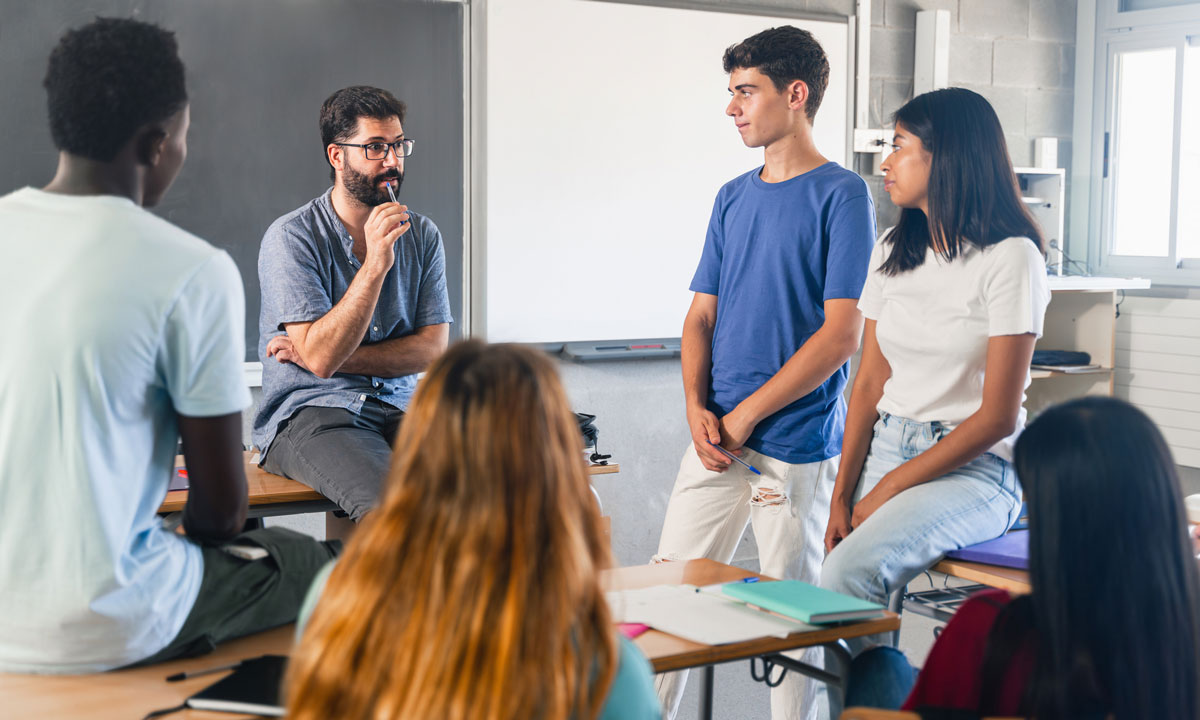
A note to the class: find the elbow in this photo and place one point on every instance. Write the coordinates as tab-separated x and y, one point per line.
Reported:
322	368
699	326
438	346
844	346
850	345
998	425
435	347
229	529
222	527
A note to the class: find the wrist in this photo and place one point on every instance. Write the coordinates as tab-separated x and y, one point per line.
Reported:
750	410
890	484
378	260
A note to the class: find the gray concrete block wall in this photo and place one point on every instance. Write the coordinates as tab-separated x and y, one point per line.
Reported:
1019	54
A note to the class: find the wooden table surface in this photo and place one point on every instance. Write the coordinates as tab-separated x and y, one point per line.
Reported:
1013	580
130	694
668	652
268	489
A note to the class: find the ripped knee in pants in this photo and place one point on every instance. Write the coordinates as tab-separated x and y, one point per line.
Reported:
767	497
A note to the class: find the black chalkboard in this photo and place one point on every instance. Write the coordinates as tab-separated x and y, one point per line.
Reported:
258	71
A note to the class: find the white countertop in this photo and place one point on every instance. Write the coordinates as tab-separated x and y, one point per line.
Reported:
1080	282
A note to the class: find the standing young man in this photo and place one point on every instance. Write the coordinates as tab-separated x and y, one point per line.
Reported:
354	305
125	335
767	338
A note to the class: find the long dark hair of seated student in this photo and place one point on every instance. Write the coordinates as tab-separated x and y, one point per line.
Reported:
973	193
1115	606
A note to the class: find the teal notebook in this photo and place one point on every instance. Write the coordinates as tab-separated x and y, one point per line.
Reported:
802	601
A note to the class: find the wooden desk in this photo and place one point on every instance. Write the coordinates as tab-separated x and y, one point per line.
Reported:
1013	580
667	652
272	495
130	694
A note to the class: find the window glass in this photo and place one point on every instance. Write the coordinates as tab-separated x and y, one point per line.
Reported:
1189	154
1141	152
1127	5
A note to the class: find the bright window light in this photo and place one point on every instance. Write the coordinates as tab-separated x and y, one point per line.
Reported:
1142	152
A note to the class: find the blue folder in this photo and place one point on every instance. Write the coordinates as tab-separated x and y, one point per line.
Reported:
1011	550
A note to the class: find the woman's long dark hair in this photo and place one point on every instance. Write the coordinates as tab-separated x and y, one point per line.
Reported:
973	194
1115	607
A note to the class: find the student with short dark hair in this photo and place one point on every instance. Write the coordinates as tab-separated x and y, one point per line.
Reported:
954	303
473	591
125	335
1111	628
354	306
768	335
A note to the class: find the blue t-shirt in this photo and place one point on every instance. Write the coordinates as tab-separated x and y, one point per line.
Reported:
305	266
775	252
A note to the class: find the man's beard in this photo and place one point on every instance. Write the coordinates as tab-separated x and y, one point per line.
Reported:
364	188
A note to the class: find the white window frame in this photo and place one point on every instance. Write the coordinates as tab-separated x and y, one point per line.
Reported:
1102	32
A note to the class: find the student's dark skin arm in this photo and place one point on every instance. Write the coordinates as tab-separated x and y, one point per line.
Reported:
217	495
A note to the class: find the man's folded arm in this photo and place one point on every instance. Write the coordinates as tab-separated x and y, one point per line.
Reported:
399	356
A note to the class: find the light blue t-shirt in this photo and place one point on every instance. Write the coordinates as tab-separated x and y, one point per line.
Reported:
775	252
116	320
631	697
305	266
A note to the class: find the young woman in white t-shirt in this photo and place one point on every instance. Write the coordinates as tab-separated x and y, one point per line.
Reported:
953	304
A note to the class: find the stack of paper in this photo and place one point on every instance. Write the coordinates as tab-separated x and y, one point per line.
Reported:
701	616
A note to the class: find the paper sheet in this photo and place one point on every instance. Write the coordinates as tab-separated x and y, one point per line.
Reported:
693	614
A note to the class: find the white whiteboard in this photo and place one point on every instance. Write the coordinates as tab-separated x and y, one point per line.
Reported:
605	142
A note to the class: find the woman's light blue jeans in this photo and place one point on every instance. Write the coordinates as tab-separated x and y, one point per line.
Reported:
910	532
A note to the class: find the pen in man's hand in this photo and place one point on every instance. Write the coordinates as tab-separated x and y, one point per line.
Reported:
735	458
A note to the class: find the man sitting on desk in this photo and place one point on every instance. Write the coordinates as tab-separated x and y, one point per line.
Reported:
128	336
354	305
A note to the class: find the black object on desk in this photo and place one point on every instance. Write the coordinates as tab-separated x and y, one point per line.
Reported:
252	688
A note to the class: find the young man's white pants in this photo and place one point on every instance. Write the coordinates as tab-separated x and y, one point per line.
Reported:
788	506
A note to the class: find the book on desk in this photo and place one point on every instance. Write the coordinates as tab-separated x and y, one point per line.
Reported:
253	688
804	602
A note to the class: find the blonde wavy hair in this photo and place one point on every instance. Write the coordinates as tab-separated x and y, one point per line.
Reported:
473	591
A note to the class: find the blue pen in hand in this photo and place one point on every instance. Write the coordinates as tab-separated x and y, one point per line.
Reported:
735	458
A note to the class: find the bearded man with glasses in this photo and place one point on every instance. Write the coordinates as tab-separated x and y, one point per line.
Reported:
354	305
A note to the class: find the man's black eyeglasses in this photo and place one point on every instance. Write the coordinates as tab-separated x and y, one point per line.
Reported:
379	150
